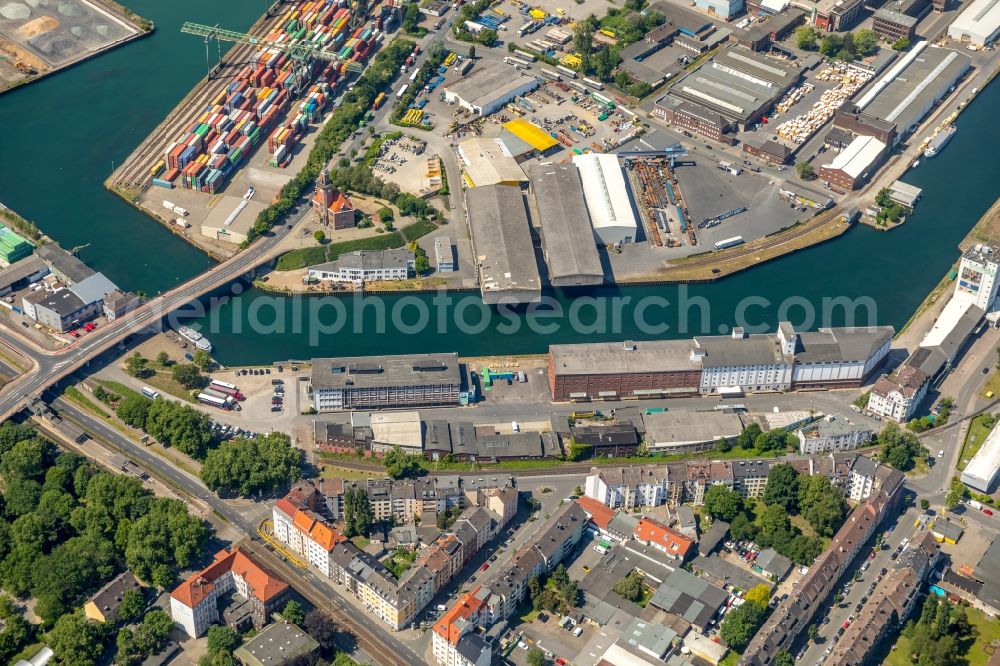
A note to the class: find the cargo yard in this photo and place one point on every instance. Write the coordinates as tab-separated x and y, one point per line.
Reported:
37	39
248	129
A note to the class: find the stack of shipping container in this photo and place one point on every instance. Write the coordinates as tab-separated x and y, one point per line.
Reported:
255	103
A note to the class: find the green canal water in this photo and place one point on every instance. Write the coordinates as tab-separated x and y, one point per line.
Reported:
62	134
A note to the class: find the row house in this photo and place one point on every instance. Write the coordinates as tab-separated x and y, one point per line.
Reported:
498	598
702	474
791	618
628	487
454	641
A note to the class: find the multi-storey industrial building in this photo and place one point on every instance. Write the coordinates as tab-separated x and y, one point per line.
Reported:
421	380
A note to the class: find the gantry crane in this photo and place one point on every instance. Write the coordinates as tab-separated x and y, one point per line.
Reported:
300	50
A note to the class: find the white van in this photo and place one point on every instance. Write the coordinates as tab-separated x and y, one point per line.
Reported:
578	631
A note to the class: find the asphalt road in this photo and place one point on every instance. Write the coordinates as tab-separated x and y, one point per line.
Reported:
51	367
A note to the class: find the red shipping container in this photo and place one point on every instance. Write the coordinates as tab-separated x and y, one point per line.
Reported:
170	176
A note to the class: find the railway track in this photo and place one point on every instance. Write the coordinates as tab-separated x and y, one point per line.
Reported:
347	617
135	171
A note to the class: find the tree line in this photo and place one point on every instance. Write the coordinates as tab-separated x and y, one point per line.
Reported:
67	529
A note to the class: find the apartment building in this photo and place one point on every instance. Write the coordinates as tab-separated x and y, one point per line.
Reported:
655	534
628	487
792	616
194	604
750	477
866	477
453	640
832	433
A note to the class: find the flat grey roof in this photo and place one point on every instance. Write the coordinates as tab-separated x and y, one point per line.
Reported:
727	573
694	599
927	77
21	270
501	239
612	358
895	17
726	351
725	92
94	288
514	445
779	72
488	84
570	248
372	371
653	639
841	344
369	260
682	427
63	302
276	644
63	262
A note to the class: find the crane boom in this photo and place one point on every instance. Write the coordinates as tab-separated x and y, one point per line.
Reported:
300	50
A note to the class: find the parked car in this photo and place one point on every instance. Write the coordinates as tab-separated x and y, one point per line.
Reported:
988	512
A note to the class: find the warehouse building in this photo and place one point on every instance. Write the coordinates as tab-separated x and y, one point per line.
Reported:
69	307
527	133
760	36
853	166
693	117
22	274
724	9
738	84
487	162
567	234
13	248
853	121
502	245
688	432
607	197
827	358
486	91
913	85
982	471
979	23
769	151
384	382
615	370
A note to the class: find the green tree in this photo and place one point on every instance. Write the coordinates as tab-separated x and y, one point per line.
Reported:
222	639
131	606
956	493
293	612
772	440
75	641
358	516
723	502
831	44
248	466
165	539
866	42
202	360
180	426
775	528
319	236
742	527
898	448
385	214
758	594
805	38
924	504
805	171
901	44
603	62
136	366
784	658
322	628
536	657
630	587
188	375
748	437
782	487
821	504
399	465
163	359
133	410
487	37
741	624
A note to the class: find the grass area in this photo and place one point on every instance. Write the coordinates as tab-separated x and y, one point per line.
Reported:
992	384
974	653
307	256
803	525
978	430
388	241
77	396
360	541
530	616
418	229
336	472
27	653
731	659
163	381
118	388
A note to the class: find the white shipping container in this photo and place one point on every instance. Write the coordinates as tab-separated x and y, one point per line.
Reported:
279	153
182	223
180	211
168	205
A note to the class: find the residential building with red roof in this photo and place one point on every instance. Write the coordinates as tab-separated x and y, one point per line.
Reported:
194	604
599	514
664	539
453	639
